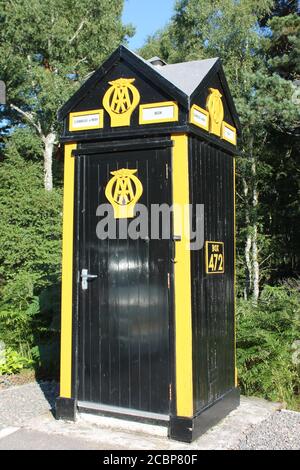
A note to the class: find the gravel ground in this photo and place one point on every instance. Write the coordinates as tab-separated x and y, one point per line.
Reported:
254	425
281	431
20	404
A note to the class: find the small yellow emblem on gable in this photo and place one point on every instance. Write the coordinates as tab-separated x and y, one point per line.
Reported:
215	108
120	100
123	191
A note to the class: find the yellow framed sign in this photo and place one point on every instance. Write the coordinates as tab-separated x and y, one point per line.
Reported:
199	117
154	113
228	133
214	257
86	120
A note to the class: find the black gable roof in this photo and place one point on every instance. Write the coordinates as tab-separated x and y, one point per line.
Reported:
180	81
148	70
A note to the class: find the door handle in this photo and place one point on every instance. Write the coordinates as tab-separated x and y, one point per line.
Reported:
85	276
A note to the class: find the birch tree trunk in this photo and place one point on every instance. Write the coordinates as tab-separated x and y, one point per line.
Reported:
255	265
247	251
48	141
255	262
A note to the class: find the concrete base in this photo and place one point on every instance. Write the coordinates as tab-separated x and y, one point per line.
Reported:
179	428
188	429
65	408
99	432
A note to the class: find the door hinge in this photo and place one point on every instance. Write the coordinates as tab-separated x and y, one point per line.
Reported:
169	281
170	392
167	171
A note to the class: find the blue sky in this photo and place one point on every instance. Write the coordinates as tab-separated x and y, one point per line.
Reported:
147	16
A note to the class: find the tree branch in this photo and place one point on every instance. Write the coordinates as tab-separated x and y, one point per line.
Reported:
266	259
27	116
77	31
79	61
240	196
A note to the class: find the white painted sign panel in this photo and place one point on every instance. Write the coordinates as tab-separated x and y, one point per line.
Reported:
228	134
200	118
79	122
158	113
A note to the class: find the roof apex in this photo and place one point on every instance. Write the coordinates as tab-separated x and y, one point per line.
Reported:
130	57
181	81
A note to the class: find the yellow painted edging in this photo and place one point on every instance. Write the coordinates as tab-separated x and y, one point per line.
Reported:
234	270
67	275
182	280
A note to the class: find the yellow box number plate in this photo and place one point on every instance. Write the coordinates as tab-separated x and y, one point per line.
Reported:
214	257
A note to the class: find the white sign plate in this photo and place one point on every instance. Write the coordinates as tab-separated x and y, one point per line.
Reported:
158	113
229	134
89	120
200	118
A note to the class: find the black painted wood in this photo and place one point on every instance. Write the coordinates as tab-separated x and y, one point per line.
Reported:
153	88
211	183
134	144
189	429
65	408
123	330
150	92
123	55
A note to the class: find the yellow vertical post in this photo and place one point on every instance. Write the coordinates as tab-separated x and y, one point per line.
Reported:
182	278
234	279
67	274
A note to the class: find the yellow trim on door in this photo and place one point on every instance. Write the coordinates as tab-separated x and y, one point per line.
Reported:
67	274
182	278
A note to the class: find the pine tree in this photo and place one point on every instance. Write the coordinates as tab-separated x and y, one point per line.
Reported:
281	200
234	32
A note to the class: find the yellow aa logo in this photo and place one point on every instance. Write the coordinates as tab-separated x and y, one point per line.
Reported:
215	108
123	191
120	101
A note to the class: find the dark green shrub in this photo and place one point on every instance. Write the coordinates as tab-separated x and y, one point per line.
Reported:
30	253
266	335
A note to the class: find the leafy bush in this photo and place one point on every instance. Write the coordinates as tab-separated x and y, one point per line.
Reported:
14	362
30	251
266	335
30	231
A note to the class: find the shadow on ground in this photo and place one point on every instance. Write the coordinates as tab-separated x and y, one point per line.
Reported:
51	392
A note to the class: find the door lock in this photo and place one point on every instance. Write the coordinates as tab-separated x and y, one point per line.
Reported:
175	238
85	276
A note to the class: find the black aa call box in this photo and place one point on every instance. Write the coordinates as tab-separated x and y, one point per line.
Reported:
148	322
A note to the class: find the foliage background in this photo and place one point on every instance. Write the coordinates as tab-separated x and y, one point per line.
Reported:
47	59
